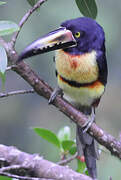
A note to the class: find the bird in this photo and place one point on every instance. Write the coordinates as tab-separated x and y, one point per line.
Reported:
81	71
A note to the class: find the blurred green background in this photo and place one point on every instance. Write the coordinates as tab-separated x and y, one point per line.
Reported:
20	113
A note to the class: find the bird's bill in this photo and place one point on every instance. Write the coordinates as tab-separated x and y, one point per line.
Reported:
57	39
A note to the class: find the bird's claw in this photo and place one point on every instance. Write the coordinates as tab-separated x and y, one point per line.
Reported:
91	119
57	91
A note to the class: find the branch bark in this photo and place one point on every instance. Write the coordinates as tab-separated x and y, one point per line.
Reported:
33	167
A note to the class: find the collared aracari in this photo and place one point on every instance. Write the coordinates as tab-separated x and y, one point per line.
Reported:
81	70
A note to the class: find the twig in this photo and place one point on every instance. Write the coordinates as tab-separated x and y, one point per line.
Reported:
24	19
16	93
66	161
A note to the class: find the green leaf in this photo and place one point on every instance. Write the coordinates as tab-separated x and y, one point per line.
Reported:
64	133
87	8
3	65
3	78
73	150
32	2
67	144
7	27
3	60
81	166
48	135
86	172
1	2
5	178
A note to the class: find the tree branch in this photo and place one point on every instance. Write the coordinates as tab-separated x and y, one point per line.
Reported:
16	93
32	166
43	89
24	19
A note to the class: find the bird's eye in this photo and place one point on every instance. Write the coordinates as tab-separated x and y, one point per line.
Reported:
77	34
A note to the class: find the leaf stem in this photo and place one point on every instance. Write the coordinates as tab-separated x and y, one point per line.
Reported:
24	19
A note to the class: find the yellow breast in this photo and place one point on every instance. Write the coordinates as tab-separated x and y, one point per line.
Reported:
82	95
80	68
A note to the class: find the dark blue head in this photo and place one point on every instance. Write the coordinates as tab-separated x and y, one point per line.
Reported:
88	34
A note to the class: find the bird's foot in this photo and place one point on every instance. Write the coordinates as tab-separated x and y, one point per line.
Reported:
57	91
91	119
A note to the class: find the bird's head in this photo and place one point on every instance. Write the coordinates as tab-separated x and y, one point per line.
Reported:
75	36
88	35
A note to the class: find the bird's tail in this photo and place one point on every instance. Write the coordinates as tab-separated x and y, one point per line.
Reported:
86	145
